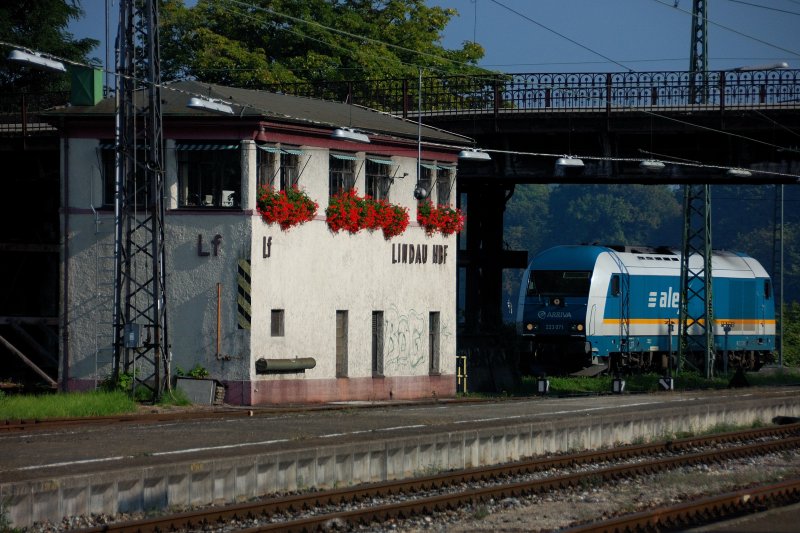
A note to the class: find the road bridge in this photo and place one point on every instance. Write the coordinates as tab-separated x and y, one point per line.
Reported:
746	119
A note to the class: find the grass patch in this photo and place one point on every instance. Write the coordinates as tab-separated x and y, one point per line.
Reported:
649	382
65	405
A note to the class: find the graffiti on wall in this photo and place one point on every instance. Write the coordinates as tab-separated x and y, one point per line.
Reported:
404	339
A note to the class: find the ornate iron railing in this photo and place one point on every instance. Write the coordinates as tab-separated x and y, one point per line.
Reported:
599	92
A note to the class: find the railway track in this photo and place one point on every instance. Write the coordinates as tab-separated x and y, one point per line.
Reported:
447	491
676	517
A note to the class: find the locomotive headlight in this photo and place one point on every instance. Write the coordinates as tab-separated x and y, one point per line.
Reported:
579	327
529	326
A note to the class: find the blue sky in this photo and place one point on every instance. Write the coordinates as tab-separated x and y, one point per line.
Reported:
595	35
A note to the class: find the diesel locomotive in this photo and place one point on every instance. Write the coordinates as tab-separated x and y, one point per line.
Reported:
619	306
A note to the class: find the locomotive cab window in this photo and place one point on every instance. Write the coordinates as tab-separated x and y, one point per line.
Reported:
767	289
560	282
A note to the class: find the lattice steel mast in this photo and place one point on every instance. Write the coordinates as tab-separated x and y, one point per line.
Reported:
698	67
140	312
696	319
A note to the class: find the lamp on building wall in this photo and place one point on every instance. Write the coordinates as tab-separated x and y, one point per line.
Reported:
36	60
261	136
349	134
474	155
210	105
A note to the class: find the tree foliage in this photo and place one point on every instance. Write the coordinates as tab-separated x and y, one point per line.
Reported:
791	334
39	25
261	42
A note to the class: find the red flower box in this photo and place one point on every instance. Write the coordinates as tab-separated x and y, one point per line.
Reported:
350	212
442	218
287	208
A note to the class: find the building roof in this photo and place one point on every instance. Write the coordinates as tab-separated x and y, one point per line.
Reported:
275	107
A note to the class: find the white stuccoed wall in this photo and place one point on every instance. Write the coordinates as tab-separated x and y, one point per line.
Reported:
310	273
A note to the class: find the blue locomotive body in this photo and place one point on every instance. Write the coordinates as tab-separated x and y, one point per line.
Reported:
620	306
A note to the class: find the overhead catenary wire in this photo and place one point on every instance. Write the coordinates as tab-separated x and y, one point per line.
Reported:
765	7
573	41
168	86
732	30
358	38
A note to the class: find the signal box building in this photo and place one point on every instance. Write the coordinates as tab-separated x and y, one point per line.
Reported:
314	312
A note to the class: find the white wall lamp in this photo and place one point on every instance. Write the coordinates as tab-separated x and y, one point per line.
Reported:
569	162
651	165
36	60
203	104
738	173
349	134
474	155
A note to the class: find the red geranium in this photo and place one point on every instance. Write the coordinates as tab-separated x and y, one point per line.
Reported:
350	212
288	208
442	218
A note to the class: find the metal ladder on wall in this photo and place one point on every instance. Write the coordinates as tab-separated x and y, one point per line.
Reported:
103	297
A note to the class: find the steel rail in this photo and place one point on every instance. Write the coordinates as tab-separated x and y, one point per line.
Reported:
295	503
714	508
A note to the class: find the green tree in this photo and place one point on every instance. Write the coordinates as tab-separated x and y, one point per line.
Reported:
261	42
615	214
39	25
791	334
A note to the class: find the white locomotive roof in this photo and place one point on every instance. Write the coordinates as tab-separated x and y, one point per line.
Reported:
724	263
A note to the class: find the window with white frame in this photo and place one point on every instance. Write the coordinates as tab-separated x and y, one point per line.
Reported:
444	183
290	167
108	171
425	181
266	165
378	181
209	174
107	162
342	173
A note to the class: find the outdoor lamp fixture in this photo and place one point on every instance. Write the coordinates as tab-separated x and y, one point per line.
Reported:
474	155
569	162
770	66
349	134
210	105
738	173
36	61
651	164
261	136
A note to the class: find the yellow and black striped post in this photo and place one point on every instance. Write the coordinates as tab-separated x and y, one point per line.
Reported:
243	296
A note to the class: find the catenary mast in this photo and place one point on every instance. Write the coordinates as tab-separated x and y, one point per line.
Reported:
696	320
140	311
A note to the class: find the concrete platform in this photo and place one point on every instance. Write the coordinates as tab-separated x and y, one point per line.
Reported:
141	467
